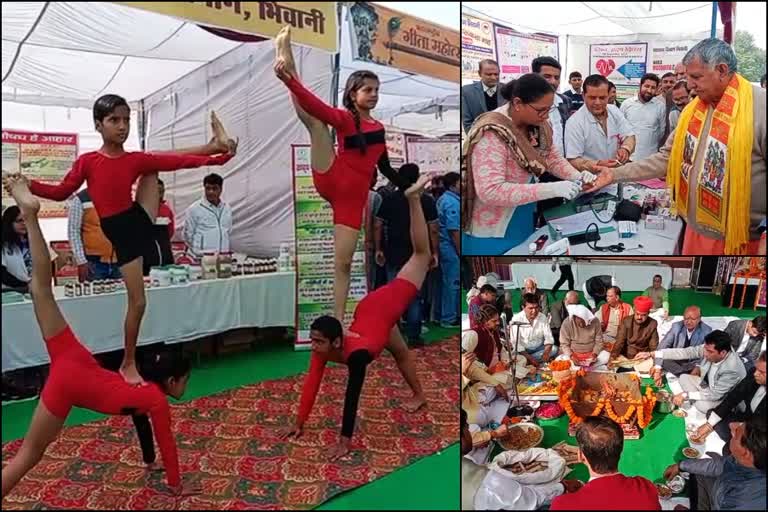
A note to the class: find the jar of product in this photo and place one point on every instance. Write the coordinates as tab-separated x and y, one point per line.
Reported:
147	282
153	279
78	290
225	265
87	288
97	288
179	276
163	277
69	290
250	267
195	272
209	264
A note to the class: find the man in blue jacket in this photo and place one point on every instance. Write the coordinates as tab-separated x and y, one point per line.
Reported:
688	333
734	482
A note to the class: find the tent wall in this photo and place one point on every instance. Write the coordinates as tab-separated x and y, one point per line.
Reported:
242	88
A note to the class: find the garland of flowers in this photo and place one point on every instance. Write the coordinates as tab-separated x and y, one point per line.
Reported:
620	419
562	397
649	401
644	406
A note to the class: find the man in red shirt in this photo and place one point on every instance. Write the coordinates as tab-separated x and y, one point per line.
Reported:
601	441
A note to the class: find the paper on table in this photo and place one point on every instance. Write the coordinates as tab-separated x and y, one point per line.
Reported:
578	223
654	183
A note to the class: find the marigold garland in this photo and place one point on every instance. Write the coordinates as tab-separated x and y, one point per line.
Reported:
643	407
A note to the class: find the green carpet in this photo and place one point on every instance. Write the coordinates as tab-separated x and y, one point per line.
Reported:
660	445
423	483
679	299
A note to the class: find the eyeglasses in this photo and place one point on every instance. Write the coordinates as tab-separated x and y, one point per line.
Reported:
541	112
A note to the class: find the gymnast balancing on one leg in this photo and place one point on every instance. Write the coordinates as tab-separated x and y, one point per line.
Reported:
77	380
110	174
342	178
374	328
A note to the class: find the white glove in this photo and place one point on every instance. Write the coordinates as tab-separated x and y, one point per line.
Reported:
565	189
587	177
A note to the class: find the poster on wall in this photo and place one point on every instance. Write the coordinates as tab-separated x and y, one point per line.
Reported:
626	91
516	50
761	298
476	44
621	63
666	54
39	156
434	156
395	147
391	38
314	253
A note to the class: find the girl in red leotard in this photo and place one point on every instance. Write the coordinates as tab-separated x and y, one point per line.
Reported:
343	177
374	329
77	380
110	174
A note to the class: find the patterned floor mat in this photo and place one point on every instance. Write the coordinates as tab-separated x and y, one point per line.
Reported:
229	443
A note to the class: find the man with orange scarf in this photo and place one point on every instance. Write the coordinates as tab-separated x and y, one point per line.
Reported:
715	160
613	312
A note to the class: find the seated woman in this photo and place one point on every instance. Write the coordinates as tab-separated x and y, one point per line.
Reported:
92	387
17	263
507	150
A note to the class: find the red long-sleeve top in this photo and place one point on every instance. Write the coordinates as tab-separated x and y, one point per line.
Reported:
344	123
77	380
110	179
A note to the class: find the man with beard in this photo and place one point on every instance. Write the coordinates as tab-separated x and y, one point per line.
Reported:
637	333
646	117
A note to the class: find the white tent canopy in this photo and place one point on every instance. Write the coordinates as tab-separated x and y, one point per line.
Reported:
598	18
66	54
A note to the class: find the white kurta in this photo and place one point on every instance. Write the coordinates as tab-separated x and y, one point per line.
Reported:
648	121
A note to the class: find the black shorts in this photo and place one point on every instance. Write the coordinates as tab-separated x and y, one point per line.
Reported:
130	232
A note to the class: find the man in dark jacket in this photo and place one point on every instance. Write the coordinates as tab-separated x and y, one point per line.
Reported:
741	403
559	313
483	96
747	338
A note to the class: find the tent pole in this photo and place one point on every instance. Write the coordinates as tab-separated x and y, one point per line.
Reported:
713	29
337	60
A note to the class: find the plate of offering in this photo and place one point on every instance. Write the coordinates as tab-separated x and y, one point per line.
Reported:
522	436
691	453
664	491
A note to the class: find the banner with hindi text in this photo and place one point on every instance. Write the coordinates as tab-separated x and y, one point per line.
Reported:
515	51
391	38
477	44
315	253
313	23
621	63
39	156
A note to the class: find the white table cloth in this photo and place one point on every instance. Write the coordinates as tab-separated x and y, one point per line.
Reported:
174	314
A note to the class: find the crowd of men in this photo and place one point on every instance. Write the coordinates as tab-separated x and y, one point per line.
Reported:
390	247
607	132
631	141
721	372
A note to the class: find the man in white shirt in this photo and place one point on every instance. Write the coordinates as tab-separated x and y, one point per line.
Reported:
550	69
598	134
535	341
646	116
719	371
208	222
